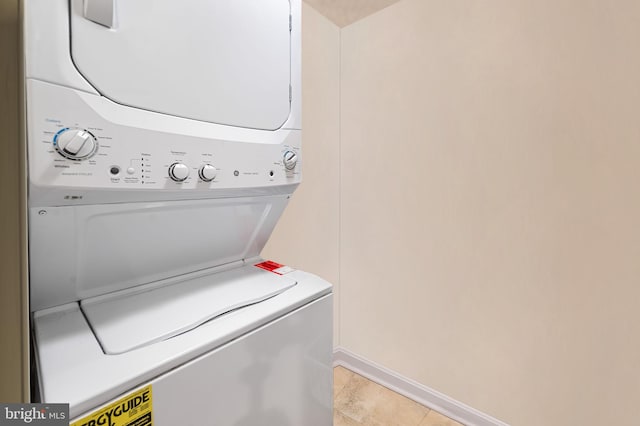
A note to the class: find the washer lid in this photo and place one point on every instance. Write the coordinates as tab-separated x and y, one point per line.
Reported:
222	61
130	321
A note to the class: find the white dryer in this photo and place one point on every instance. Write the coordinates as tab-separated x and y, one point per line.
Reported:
163	145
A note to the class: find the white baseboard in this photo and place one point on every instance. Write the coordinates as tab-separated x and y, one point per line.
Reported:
424	395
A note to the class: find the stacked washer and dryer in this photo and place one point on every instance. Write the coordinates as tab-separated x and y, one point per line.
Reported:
163	145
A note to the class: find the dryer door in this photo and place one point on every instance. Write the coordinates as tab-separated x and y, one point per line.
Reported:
220	61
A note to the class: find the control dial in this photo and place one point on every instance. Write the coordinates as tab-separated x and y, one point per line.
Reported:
75	144
178	172
290	159
207	173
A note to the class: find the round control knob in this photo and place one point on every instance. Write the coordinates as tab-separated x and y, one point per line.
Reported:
75	144
178	172
207	172
290	160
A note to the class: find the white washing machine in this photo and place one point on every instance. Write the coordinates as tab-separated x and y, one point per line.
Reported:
163	145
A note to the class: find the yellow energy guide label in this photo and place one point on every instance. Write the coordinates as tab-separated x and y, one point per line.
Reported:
134	409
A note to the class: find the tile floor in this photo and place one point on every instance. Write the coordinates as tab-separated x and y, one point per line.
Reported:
360	402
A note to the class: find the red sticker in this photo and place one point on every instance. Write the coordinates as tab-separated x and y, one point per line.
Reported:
274	267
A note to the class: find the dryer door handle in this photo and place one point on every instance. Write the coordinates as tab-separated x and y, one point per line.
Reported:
101	12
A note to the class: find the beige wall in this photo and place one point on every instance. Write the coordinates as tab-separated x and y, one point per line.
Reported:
307	235
490	203
13	313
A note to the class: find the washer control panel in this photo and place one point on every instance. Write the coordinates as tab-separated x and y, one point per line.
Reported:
81	144
82	155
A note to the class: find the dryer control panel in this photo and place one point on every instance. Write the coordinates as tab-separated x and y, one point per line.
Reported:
89	145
